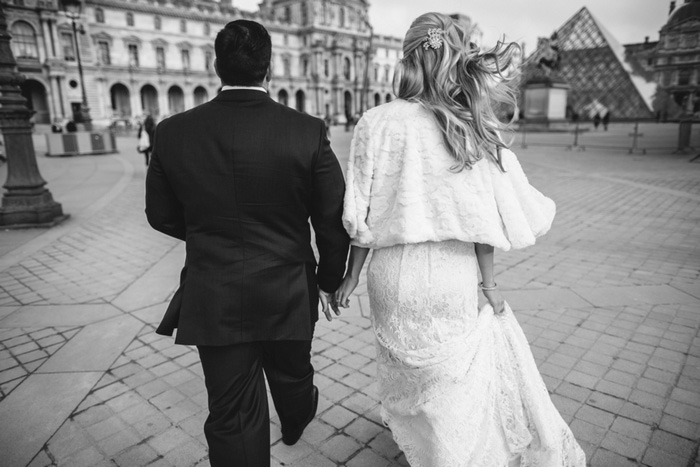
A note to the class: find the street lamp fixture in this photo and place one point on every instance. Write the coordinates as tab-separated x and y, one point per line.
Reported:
364	102
73	10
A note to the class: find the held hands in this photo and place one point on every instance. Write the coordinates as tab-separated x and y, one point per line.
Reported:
328	301
347	287
341	297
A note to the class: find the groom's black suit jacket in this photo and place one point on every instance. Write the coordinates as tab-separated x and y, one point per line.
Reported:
238	178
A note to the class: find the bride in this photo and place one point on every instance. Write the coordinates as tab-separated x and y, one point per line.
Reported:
432	189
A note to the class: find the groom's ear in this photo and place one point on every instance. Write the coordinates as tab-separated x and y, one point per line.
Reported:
268	75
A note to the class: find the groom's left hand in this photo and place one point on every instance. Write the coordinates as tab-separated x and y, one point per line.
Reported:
328	302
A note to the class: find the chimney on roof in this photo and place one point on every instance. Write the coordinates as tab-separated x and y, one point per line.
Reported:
672	7
646	39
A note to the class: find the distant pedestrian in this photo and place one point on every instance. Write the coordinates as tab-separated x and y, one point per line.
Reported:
606	120
596	120
145	135
56	126
71	127
328	120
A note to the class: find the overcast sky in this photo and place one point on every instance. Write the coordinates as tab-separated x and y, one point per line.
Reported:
520	20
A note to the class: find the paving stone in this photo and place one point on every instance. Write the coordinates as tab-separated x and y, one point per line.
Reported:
605	402
363	430
631	429
314	460
384	445
595	416
655	457
366	458
137	455
587	431
287	455
338	416
673	444
611	458
683	428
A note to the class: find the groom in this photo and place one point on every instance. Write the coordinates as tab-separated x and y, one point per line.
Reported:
237	179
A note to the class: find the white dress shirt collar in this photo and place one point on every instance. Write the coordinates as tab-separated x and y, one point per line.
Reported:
249	88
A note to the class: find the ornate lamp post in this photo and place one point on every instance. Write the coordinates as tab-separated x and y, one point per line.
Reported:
73	9
27	202
364	103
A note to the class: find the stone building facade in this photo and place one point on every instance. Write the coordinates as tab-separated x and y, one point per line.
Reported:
677	62
156	56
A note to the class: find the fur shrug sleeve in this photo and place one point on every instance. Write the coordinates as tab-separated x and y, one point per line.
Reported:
400	188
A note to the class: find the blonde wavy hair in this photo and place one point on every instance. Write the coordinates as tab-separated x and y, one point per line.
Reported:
459	85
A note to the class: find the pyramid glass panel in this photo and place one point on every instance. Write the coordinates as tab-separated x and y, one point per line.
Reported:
590	62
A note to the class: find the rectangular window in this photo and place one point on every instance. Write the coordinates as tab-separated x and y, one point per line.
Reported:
286	64
160	57
103	48
684	76
133	55
207	61
185	59
68	46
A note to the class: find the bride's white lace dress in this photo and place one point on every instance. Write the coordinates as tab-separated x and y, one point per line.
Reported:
458	385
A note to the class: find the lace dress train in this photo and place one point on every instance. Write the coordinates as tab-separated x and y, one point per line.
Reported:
459	387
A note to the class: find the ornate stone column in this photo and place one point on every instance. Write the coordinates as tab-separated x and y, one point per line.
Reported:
27	202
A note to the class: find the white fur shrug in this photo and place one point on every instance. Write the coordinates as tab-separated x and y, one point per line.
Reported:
400	188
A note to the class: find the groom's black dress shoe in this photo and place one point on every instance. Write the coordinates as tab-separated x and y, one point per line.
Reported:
292	438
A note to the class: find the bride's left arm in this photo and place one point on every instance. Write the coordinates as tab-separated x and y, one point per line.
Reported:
484	256
358	255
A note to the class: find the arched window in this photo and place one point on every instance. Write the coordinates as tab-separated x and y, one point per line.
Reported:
129	19
23	42
157	23
99	15
347	68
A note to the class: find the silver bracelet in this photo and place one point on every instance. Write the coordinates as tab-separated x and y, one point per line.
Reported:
487	289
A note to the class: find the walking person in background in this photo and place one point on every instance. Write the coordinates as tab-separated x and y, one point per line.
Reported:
145	135
432	189
237	179
71	127
596	120
56	126
606	120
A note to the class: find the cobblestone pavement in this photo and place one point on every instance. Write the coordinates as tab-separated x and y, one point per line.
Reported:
609	300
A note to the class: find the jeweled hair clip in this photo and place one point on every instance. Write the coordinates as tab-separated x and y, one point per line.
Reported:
434	40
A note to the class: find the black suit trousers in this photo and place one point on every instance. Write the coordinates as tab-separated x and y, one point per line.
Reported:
238	426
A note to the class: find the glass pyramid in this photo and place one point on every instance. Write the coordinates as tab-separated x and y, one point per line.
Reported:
593	63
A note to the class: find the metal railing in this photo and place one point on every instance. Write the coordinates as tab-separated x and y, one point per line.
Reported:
632	137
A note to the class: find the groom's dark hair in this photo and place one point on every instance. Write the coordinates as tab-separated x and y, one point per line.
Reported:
243	49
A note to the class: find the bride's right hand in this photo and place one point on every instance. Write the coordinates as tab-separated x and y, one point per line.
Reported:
347	287
495	300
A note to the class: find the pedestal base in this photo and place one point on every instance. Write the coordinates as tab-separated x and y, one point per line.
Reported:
31	210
